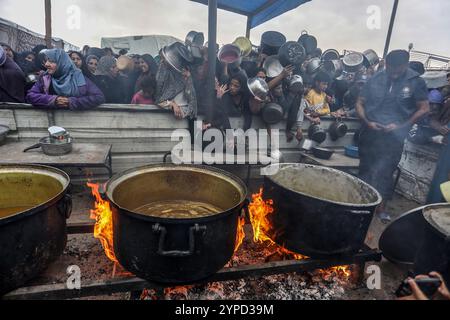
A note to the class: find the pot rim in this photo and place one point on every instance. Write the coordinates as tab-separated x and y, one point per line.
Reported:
435	228
37	169
118	178
345	204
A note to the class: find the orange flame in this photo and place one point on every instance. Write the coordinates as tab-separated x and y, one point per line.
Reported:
103	229
259	210
240	235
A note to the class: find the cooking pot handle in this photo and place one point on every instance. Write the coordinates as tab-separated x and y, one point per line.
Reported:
36	146
65	206
359	211
157	228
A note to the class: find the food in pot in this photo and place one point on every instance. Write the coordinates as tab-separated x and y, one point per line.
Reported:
178	209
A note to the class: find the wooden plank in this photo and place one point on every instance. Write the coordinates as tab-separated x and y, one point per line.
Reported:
60	291
7	119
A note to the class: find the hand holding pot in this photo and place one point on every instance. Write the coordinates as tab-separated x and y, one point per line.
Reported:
287	71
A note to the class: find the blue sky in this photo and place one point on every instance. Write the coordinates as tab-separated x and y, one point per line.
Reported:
337	24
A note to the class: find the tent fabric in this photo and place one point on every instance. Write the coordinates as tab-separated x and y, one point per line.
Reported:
258	11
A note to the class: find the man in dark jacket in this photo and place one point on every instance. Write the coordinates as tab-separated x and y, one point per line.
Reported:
389	104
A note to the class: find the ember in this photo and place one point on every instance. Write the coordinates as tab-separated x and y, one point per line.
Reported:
102	215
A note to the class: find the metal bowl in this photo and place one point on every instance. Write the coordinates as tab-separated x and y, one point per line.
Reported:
258	88
229	54
353	61
371	58
273	66
330	54
313	65
244	45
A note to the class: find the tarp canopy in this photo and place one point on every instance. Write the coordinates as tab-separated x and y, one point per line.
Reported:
257	11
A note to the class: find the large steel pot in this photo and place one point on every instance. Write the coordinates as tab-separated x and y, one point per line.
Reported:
34	206
434	251
172	250
353	62
318	211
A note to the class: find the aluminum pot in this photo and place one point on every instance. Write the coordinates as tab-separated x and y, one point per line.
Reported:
51	147
322	153
272	66
272	113
34	206
318	211
172	250
333	67
353	62
330	54
194	42
258	88
316	133
291	53
313	65
172	56
244	45
337	129
308	42
371	58
230	54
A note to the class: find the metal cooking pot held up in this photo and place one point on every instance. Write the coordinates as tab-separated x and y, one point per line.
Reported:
258	88
272	113
273	66
291	53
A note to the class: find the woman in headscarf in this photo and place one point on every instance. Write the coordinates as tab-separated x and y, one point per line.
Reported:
9	51
175	91
12	80
92	63
112	84
63	85
148	67
79	62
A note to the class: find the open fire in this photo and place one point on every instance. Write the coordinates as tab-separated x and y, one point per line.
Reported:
259	212
102	215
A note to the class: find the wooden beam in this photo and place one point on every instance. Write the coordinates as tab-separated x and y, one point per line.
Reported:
48	23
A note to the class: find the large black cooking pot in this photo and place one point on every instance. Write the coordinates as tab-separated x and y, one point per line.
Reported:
401	239
318	211
172	250
271	42
34	206
434	251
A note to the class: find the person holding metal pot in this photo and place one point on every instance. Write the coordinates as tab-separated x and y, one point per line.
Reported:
318	99
389	104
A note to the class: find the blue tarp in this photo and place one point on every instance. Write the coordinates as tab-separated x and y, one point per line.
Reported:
258	11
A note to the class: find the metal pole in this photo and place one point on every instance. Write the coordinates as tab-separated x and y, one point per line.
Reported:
212	40
48	23
249	27
391	26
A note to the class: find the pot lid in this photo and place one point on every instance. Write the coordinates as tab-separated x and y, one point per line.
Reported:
438	216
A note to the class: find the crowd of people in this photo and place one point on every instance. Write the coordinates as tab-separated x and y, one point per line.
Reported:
81	80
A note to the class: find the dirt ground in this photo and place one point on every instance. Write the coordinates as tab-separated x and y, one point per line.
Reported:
86	252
